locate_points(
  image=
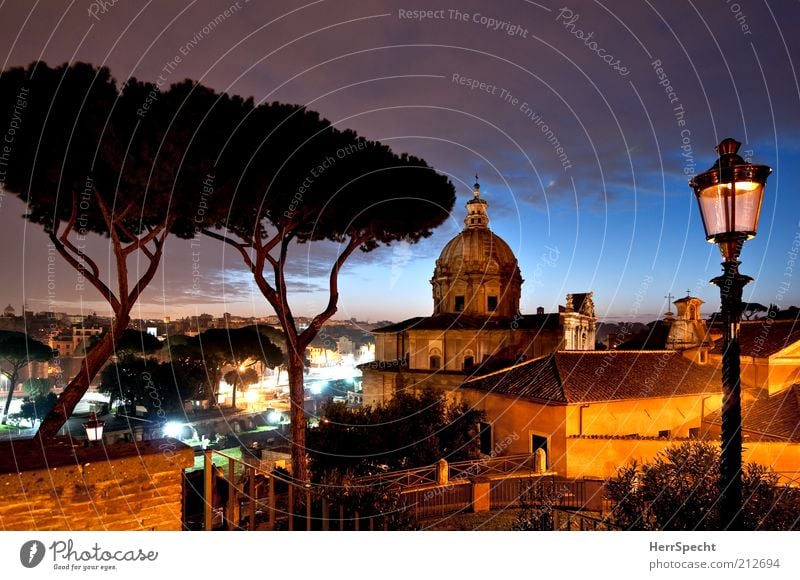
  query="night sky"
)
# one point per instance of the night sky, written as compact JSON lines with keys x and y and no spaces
{"x":584,"y":121}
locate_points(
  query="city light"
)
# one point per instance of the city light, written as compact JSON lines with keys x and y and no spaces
{"x":173,"y":429}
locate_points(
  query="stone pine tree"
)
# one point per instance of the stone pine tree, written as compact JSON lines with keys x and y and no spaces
{"x":94,"y":159}
{"x":221,"y":347}
{"x":17,"y":350}
{"x":289,"y":178}
{"x":240,"y":380}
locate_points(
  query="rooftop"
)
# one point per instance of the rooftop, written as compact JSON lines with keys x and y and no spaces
{"x":765,"y":337}
{"x":591,"y":376}
{"x":777,"y":417}
{"x":461,"y":322}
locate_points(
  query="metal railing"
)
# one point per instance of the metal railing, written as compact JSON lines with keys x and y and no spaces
{"x":243,"y":493}
{"x":261,"y":499}
{"x":461,"y":470}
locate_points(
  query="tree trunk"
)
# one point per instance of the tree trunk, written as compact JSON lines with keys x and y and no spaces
{"x":91,"y":365}
{"x":298,"y":417}
{"x":12,"y":384}
{"x":214,"y":378}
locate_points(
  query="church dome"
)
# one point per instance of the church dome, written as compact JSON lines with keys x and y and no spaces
{"x":477,"y":251}
{"x":477,"y":273}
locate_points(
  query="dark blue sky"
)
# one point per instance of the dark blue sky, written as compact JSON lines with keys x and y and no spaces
{"x":584,"y":120}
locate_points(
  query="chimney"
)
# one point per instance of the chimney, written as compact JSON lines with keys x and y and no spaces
{"x":540,"y":310}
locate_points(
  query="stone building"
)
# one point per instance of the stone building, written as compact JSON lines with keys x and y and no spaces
{"x":770,"y":356}
{"x":592,"y":412}
{"x":476,"y":324}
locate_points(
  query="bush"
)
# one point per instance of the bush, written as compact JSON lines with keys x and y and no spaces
{"x":679,"y":491}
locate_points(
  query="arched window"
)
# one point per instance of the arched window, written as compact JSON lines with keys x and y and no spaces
{"x":435,"y":359}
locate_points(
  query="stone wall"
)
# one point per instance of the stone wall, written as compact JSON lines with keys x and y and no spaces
{"x":125,"y":486}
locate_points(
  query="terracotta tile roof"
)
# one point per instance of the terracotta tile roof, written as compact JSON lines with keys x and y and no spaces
{"x":534,"y":379}
{"x":765,"y":337}
{"x":777,"y":417}
{"x":590,"y":376}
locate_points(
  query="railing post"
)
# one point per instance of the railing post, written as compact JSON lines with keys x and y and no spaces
{"x":208,"y":489}
{"x":341,"y":517}
{"x":442,"y":472}
{"x":272,"y":505}
{"x":251,"y":478}
{"x":356,"y":520}
{"x":326,"y":514}
{"x":308,"y":507}
{"x":291,"y":507}
{"x":481,"y":494}
{"x":232,"y":504}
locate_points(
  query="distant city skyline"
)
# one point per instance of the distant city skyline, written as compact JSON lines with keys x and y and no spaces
{"x":584,"y":125}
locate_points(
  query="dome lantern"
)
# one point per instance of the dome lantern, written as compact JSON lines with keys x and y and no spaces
{"x":476,"y":209}
{"x":477,"y":273}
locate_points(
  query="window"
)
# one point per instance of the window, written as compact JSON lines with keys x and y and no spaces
{"x":486,"y":438}
{"x":492,"y":303}
{"x":665,"y":434}
{"x":694,"y":432}
{"x":459,"y":303}
{"x":436,"y":361}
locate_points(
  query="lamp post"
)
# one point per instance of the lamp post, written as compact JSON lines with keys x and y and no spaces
{"x":729,"y":195}
{"x":94,"y":429}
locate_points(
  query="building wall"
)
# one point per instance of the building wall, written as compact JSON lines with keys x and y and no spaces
{"x":380,"y":382}
{"x":521,"y":419}
{"x":643,"y":417}
{"x":119,"y":487}
{"x":765,"y":376}
{"x":516,"y":421}
{"x":454,"y":346}
{"x":782,"y":457}
{"x":603,"y":457}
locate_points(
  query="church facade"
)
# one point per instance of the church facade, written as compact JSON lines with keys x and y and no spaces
{"x":476,"y":325}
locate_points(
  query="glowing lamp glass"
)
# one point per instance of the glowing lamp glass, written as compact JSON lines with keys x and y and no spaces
{"x":729,"y":195}
{"x":94,"y":429}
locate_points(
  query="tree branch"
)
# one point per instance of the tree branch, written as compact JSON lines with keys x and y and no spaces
{"x":242,"y":247}
{"x":155,"y":260}
{"x":64,"y":239}
{"x":281,"y":308}
{"x":333,"y":292}
{"x":122,"y":268}
{"x":104,"y":290}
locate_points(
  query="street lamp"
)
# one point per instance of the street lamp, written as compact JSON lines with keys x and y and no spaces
{"x":729,"y":195}
{"x":94,"y":429}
